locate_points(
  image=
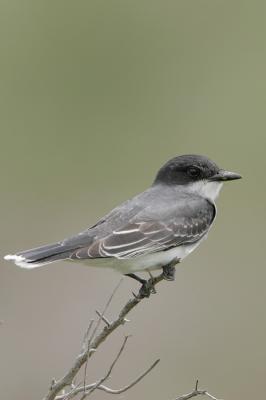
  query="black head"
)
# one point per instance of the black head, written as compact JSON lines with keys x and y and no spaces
{"x":191,"y":168}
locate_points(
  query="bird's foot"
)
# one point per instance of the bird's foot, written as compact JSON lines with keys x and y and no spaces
{"x":169,"y":273}
{"x":147,"y":288}
{"x":169,"y":270}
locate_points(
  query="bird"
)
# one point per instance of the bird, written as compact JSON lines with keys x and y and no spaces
{"x":154,"y":230}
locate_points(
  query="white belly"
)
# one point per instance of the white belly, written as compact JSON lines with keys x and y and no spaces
{"x":142,"y":263}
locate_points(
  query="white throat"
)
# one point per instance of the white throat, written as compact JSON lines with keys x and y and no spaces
{"x":206,"y":189}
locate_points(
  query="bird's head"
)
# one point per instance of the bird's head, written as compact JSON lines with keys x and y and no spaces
{"x":195,"y":173}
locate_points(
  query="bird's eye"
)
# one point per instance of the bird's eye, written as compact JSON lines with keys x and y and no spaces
{"x":193,"y":172}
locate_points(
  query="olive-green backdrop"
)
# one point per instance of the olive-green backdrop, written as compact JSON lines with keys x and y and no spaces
{"x":94,"y":97}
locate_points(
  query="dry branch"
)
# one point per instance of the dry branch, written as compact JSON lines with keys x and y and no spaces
{"x":65,"y":389}
{"x":196,"y":392}
{"x":95,"y":341}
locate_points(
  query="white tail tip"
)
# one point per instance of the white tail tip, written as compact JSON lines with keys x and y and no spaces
{"x":20,"y":261}
{"x":23,"y":262}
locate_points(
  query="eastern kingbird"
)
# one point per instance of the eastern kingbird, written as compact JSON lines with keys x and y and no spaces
{"x":153,"y":230}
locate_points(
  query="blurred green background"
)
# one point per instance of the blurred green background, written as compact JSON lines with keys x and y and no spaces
{"x":94,"y":97}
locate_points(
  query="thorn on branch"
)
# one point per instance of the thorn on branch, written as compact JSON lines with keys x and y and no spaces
{"x":53,"y":383}
{"x":197,"y":392}
{"x":105,"y":320}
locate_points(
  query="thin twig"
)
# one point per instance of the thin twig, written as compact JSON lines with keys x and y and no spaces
{"x":125,"y":388}
{"x":86,"y":336}
{"x":86,"y":347}
{"x":107,"y":389}
{"x":96,"y":328}
{"x":97,"y":384}
{"x":105,"y":309}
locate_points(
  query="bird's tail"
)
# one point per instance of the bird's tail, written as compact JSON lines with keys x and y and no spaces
{"x":40,"y":256}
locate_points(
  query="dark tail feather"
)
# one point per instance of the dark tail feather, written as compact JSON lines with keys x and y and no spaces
{"x":40,"y":256}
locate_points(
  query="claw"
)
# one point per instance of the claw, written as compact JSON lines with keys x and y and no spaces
{"x":169,"y":273}
{"x":169,"y":270}
{"x":147,"y":289}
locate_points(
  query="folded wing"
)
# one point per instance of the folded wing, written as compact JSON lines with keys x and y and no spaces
{"x":140,"y":237}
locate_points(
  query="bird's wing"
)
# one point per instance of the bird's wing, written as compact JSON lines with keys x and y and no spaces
{"x":145,"y":234}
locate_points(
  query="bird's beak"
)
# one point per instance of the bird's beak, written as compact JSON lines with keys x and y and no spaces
{"x":223,"y":175}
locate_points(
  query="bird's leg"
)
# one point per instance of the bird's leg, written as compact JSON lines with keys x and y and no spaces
{"x":147,"y":286}
{"x":137,"y":278}
{"x":151,"y":282}
{"x":169,"y":270}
